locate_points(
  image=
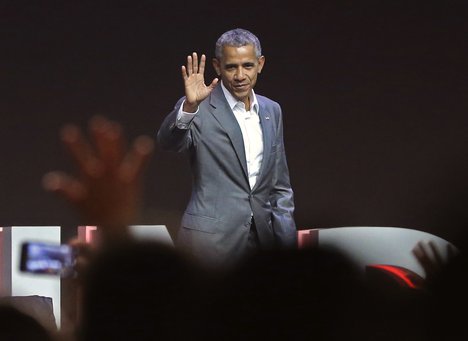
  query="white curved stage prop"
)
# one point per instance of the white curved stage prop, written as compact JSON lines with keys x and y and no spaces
{"x":369,"y":245}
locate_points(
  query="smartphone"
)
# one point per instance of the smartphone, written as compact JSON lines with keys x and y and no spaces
{"x":40,"y":257}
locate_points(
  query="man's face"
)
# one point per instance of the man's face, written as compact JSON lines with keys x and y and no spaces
{"x":238,"y":69}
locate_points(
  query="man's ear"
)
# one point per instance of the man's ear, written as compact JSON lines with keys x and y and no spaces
{"x":261,"y":63}
{"x":217,"y":66}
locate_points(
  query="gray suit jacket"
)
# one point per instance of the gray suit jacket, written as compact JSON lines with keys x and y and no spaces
{"x":215,"y":225}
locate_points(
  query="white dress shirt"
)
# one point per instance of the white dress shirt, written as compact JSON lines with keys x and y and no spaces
{"x":249,"y":123}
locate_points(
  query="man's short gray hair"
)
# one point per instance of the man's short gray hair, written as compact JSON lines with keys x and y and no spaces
{"x":237,"y":37}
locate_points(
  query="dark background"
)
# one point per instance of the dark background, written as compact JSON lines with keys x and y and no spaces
{"x":374,"y":95}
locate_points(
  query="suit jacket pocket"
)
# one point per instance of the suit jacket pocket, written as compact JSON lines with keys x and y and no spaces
{"x":200,"y":223}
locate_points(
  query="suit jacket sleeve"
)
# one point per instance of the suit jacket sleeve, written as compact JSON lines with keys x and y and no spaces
{"x":282,"y":197}
{"x":169,"y":136}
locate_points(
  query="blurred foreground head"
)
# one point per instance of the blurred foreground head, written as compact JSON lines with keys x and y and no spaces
{"x":139,"y":291}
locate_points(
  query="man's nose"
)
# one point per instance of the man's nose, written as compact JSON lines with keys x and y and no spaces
{"x":239,"y":75}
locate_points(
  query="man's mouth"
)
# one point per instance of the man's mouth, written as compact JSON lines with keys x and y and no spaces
{"x":241,"y":86}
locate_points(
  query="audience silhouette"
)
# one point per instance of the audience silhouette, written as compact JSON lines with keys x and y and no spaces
{"x":16,"y":325}
{"x":147,"y":291}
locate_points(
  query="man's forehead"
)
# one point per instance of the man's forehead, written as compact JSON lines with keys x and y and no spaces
{"x":236,"y":50}
{"x":241,"y":54}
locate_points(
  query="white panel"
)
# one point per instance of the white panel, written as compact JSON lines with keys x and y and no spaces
{"x":366,"y":245}
{"x":157,"y":233}
{"x":24,"y":284}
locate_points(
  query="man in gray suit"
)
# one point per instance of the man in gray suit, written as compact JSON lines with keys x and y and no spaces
{"x":242,"y":200}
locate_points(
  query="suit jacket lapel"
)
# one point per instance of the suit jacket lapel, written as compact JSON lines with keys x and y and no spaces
{"x":266,"y":123}
{"x":224,"y":115}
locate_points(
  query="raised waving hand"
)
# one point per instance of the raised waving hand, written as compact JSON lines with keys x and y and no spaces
{"x":106,"y":189}
{"x":431,"y":258}
{"x":194,"y":82}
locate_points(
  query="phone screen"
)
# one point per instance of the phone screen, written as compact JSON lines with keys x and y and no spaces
{"x":47,"y":258}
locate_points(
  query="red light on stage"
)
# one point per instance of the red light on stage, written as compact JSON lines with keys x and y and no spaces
{"x":392,"y":274}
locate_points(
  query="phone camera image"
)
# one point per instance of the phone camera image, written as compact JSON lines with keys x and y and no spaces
{"x":46,"y":258}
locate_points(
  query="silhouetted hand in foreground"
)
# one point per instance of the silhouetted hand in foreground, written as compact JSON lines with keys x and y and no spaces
{"x":430,"y":258}
{"x":106,"y":191}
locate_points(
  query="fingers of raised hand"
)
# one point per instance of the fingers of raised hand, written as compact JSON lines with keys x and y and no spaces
{"x":184,"y":72}
{"x":213,"y":83}
{"x":201,"y":68}
{"x":421,"y":253}
{"x":137,"y":158}
{"x":68,"y":187}
{"x":81,"y":151}
{"x":195,"y":62}
{"x":193,"y":66}
{"x":108,"y":155}
{"x":451,"y":251}
{"x":429,"y":256}
{"x":436,"y":253}
{"x":109,"y":141}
